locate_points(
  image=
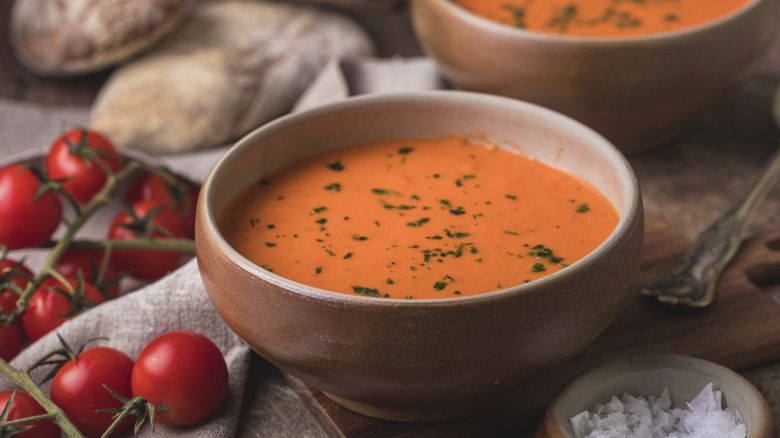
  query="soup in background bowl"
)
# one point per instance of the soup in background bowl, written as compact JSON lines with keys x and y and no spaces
{"x":600,"y":18}
{"x":639,"y":91}
{"x":421,"y":360}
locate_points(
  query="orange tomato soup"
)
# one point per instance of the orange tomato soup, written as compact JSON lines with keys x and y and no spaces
{"x":417,"y":218}
{"x":602,"y":17}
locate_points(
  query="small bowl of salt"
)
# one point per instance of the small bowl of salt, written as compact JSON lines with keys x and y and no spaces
{"x":658,"y":396}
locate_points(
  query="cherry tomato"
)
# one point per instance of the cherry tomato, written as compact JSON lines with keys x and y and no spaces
{"x":181,"y":196}
{"x":27,"y":218}
{"x":78,"y":390}
{"x":48,"y":309}
{"x":155,"y":221}
{"x":14,"y":277}
{"x":73,"y":157}
{"x":89,"y":262}
{"x":24,"y":406}
{"x":10,"y":341}
{"x":13,"y":274}
{"x":184,"y":375}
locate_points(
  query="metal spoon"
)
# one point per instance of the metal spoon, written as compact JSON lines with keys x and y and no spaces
{"x":692,"y":282}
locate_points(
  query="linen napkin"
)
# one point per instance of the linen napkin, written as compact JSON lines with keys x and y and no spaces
{"x":179,"y":301}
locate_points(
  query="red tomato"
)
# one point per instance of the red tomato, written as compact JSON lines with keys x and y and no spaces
{"x":78,"y":390}
{"x":181,"y":196}
{"x":74,"y":157}
{"x":14,"y":277}
{"x":26,"y":221}
{"x":24,"y":406}
{"x":47,"y":308}
{"x":184,"y":375}
{"x":13,"y":274}
{"x":89,"y":263}
{"x":157,"y":222}
{"x":12,"y":271}
{"x":10,"y":341}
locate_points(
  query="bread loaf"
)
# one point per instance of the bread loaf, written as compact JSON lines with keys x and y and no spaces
{"x":61,"y":38}
{"x":232,"y":66}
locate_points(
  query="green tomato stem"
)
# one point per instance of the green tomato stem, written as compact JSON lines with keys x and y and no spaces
{"x":24,"y":381}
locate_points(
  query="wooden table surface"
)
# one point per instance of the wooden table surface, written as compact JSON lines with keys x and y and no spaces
{"x":687,"y":183}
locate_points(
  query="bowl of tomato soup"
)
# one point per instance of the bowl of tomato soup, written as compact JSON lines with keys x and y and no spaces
{"x":635,"y":71}
{"x":419,"y":257}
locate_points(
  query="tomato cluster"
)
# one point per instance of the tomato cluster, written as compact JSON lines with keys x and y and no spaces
{"x":180,"y":375}
{"x":80,"y":172}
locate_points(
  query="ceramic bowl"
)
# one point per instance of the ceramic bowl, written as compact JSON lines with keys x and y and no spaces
{"x":421,"y":360}
{"x":644,"y":375}
{"x":637,"y":91}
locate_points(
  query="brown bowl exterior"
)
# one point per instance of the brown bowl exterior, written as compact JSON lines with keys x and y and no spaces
{"x":643,"y":375}
{"x":637,"y":91}
{"x":421,"y":360}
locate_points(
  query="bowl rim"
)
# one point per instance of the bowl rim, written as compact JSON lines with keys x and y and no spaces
{"x":510,"y":32}
{"x":632,"y":197}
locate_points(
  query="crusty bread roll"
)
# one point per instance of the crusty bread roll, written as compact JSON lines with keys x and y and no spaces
{"x":62,"y":38}
{"x":230,"y":67}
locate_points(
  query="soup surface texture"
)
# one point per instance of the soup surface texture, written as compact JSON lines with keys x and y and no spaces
{"x":417,"y":218}
{"x":602,"y":17}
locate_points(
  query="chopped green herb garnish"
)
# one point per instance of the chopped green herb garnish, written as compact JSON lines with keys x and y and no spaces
{"x":459,"y":251}
{"x":405,"y":151}
{"x":337,"y":166}
{"x":318,"y":269}
{"x":538,"y":267}
{"x":396,"y":207}
{"x":418,"y":222}
{"x":321,"y":220}
{"x":318,"y":210}
{"x":366,"y":291}
{"x":336,"y":187}
{"x":270,"y":244}
{"x":513,"y":197}
{"x":542,"y":251}
{"x":583,"y":208}
{"x":383,"y":192}
{"x":347,"y":256}
{"x":514,"y":233}
{"x":439,"y":285}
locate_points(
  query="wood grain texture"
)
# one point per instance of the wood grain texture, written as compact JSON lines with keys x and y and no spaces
{"x":741,"y":329}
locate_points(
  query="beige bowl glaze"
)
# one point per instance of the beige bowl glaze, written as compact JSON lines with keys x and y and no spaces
{"x":421,"y":360}
{"x":637,"y":91}
{"x":644,"y":375}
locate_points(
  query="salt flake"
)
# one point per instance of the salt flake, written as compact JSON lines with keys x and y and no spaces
{"x":653,"y":417}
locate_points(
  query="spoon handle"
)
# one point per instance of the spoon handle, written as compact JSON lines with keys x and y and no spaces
{"x":692,"y":282}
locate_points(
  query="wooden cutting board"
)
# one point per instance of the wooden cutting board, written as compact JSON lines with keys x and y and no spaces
{"x":741,"y":329}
